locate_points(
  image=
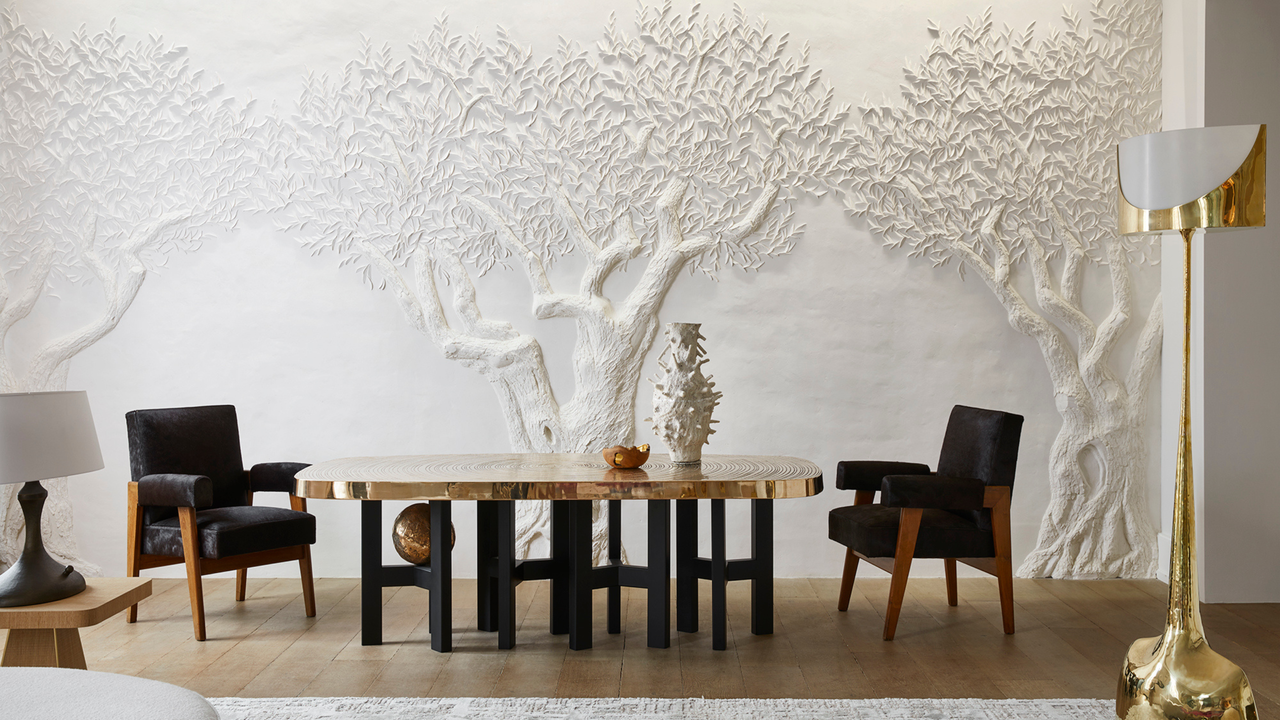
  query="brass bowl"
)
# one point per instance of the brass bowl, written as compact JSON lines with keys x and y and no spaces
{"x":626,"y":457}
{"x":411,"y":534}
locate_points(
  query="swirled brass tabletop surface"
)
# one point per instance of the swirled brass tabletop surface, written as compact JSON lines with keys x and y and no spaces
{"x":557,"y":476}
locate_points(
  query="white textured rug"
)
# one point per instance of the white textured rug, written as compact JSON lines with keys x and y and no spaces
{"x":655,"y":709}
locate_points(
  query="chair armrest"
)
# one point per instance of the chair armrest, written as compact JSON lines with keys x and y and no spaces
{"x":941,"y":492}
{"x":997,"y":495}
{"x":867,"y":474}
{"x":173,"y":490}
{"x":274,"y":477}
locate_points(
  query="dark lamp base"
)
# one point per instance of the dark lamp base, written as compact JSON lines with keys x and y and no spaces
{"x":36,"y":577}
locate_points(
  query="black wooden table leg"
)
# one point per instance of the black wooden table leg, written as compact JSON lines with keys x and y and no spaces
{"x":486,"y":552}
{"x":371,"y":572}
{"x":719,"y":581}
{"x":686,"y":575}
{"x":762,"y":555}
{"x":580,"y":575}
{"x":561,"y":560}
{"x":615,"y":558}
{"x":659,"y":573}
{"x":506,"y":585}
{"x":441,"y":620}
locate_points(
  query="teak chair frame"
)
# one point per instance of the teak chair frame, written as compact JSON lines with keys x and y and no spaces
{"x":996,"y":498}
{"x":198,"y":567}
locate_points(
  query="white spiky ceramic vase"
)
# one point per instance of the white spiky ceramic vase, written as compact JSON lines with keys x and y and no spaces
{"x":683,"y":398}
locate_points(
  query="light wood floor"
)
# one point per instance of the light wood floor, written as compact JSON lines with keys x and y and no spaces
{"x":1070,"y":640}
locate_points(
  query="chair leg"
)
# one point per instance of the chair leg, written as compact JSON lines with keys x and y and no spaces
{"x":1004,"y":561}
{"x":860,"y":497}
{"x":191,"y":554}
{"x":134,"y":558}
{"x":908,"y":529}
{"x":308,"y":585}
{"x":1004,"y":576}
{"x":242,"y":580}
{"x":846,"y":580}
{"x":950,"y":565}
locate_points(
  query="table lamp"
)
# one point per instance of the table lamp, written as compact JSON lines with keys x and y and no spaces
{"x":1183,"y":180}
{"x":43,"y":435}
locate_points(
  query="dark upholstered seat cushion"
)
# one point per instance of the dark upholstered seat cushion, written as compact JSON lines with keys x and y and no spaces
{"x":873,"y":531}
{"x":233,"y":531}
{"x":866,"y":474}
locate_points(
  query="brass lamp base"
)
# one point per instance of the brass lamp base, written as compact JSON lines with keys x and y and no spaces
{"x":36,"y":577}
{"x":1178,"y":676}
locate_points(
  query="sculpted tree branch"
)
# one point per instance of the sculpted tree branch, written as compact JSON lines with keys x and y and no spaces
{"x":120,"y":282}
{"x":14,"y":310}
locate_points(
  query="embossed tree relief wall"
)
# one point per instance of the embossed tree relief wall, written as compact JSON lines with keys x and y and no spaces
{"x":1001,"y":157}
{"x":112,"y":156}
{"x":680,"y":147}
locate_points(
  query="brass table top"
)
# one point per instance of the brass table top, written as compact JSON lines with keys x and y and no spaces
{"x":557,"y":476}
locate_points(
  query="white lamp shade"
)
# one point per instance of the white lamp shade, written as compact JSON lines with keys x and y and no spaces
{"x":46,"y":435}
{"x":1169,"y":169}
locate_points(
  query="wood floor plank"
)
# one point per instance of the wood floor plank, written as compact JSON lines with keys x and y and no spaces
{"x":874,"y":668}
{"x":305,"y":658}
{"x":994,"y":654}
{"x":344,"y":678}
{"x":471,"y":674}
{"x":263,"y":599}
{"x":230,"y":674}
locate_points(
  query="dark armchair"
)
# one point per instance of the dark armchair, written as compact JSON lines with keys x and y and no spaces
{"x":191,"y":500}
{"x":961,"y":512}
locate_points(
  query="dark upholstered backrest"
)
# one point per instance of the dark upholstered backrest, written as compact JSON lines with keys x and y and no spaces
{"x":189,"y":441}
{"x":981,"y":444}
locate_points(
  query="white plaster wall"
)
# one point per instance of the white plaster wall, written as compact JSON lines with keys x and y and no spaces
{"x":842,"y":350}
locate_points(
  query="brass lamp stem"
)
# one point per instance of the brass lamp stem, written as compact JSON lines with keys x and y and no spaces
{"x":1184,"y":594}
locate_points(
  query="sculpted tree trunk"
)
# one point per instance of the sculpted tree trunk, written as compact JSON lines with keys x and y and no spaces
{"x":1097,"y":525}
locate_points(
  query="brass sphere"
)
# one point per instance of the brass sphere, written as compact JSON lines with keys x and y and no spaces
{"x":411,"y":534}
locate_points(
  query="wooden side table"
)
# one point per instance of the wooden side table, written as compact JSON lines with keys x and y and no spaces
{"x":48,"y":635}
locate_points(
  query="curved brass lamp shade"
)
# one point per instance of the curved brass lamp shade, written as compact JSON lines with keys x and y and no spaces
{"x":1177,"y":675}
{"x":1240,"y":201}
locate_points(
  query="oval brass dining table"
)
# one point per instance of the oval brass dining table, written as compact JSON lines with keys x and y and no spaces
{"x":571,"y":482}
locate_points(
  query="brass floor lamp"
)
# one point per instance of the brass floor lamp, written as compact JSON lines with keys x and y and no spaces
{"x":1183,"y":180}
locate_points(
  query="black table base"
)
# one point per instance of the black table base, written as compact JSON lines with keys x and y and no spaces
{"x":437,"y":577}
{"x":720,"y":570}
{"x":571,"y":572}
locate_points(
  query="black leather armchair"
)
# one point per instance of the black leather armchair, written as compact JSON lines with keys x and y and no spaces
{"x":961,"y":512}
{"x":191,"y":500}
